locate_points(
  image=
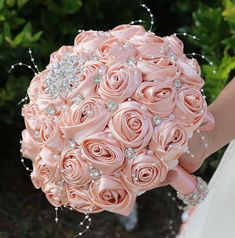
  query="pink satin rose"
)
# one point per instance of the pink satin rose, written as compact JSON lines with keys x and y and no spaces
{"x":90,"y":40}
{"x":104,"y":152}
{"x":169,"y":141}
{"x":79,"y":200}
{"x":110,"y":194}
{"x":159,"y":68}
{"x":32,"y":90}
{"x":144,"y":172}
{"x":159,"y":97}
{"x":58,"y":54}
{"x":56,"y":194}
{"x":131,"y":125}
{"x":45,"y":168}
{"x":120,"y":83}
{"x":174,"y":45}
{"x":29,"y":147}
{"x":115,"y":49}
{"x":51,"y":135}
{"x":72,"y":167}
{"x":148,"y":44}
{"x":191,"y":108}
{"x":191,"y":73}
{"x":85,"y":119}
{"x":87,"y":86}
{"x":127,"y":31}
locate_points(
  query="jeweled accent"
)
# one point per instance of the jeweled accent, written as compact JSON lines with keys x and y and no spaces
{"x":131,"y":61}
{"x":51,"y":111}
{"x":72,"y":144}
{"x":129,"y":153}
{"x":95,"y":173}
{"x":62,"y":76}
{"x":172,"y":55}
{"x":197,"y":196}
{"x":177,"y":84}
{"x":112,"y":106}
{"x":94,"y":57}
{"x":78,"y":99}
{"x":157,"y":120}
{"x":36,"y":134}
{"x":97,"y":78}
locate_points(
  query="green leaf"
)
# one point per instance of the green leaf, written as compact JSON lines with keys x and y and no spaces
{"x":10,"y":3}
{"x":71,"y":6}
{"x":21,"y":3}
{"x":7,"y":30}
{"x":1,"y":4}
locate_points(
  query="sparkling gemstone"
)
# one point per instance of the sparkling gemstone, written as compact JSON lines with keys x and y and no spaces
{"x":131,"y":61}
{"x":172,"y":55}
{"x":78,"y":99}
{"x":94,"y":57}
{"x":97,"y":78}
{"x":177,"y":84}
{"x":157,"y":120}
{"x":71,"y":144}
{"x":36,"y":134}
{"x":112,"y":106}
{"x":95,"y":173}
{"x":129,"y":153}
{"x":51,"y":111}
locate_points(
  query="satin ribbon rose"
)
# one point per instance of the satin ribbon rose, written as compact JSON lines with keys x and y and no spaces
{"x":110,"y":194}
{"x":169,"y":141}
{"x":174,"y":46}
{"x":88,"y":86}
{"x":148,"y":44}
{"x":115,"y":50}
{"x":32,"y":90}
{"x":85,"y":119}
{"x":190,"y":109}
{"x":159,"y":68}
{"x":79,"y":200}
{"x":131,"y":125}
{"x":29,"y":147}
{"x":126,"y":31}
{"x":72,"y":167}
{"x":56,"y":194}
{"x":191,"y":73}
{"x":144,"y":172}
{"x":90,"y":40}
{"x":119,"y":83}
{"x":45,"y":168}
{"x":51,"y":135}
{"x":159,"y":97}
{"x":103,"y":151}
{"x":33,"y":119}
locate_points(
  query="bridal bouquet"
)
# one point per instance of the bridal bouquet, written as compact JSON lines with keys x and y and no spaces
{"x":110,"y":116}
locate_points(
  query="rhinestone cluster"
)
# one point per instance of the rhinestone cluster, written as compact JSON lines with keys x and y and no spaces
{"x":62,"y":76}
{"x":157,"y":120}
{"x":129,"y":153}
{"x":112,"y":106}
{"x":95,"y":173}
{"x":197,"y":196}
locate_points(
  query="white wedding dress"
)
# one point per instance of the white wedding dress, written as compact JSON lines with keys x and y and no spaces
{"x":215,"y":217}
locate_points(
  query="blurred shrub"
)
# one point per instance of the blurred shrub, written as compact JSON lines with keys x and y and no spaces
{"x":45,"y":25}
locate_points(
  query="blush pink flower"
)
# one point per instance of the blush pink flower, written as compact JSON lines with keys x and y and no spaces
{"x":131,"y":125}
{"x":144,"y":172}
{"x":110,"y":194}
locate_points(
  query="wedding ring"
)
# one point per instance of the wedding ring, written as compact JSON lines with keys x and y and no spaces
{"x":197,"y":196}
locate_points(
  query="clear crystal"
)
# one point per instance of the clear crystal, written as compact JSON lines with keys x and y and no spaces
{"x":131,"y":61}
{"x":94,"y":57}
{"x":95,"y":173}
{"x":51,"y":111}
{"x":36,"y":134}
{"x":130,"y":153}
{"x":157,"y":120}
{"x":112,"y":106}
{"x":62,"y":75}
{"x":177,"y":84}
{"x":78,"y":99}
{"x":97,"y":78}
{"x":172,"y":55}
{"x":71,"y":144}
